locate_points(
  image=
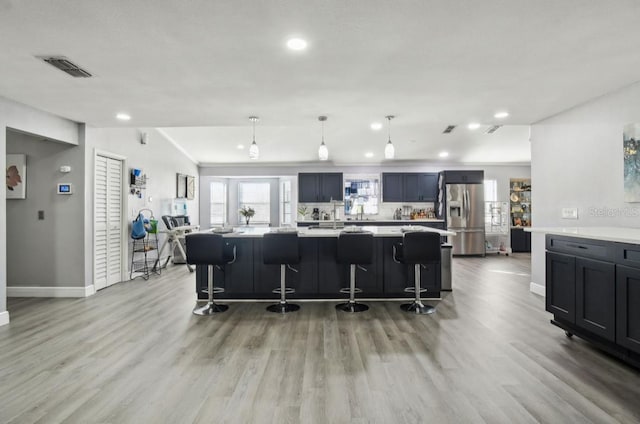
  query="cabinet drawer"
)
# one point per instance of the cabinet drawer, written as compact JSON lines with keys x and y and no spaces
{"x":627,"y":254}
{"x":580,"y":247}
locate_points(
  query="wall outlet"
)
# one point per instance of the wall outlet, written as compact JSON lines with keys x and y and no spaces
{"x":569,"y":213}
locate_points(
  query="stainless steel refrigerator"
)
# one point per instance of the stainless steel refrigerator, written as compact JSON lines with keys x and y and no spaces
{"x":465,"y":216}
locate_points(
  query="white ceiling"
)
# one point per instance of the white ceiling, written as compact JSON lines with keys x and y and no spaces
{"x":212,"y":64}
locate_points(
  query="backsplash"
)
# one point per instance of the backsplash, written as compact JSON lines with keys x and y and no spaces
{"x":385,"y":210}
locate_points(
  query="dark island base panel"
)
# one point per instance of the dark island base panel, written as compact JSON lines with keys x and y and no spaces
{"x":318,"y":276}
{"x":604,"y":345}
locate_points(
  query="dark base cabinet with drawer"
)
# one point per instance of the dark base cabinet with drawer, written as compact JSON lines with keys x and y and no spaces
{"x":592,"y":289}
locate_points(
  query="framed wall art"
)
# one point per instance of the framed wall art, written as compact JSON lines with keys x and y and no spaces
{"x":16,"y":176}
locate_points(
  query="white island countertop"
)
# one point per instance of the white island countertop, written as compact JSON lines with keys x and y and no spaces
{"x":616,"y":234}
{"x":372,"y":221}
{"x":330,"y":232}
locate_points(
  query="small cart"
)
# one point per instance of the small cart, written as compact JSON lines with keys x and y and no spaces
{"x":496,"y":222}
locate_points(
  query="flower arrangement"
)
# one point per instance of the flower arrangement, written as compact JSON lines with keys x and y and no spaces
{"x":247,"y":212}
{"x":302,"y":211}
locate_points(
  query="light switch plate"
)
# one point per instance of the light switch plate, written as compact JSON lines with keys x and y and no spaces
{"x":570,"y":213}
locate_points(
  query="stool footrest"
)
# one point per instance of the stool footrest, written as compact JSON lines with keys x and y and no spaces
{"x":348,"y":290}
{"x":215,"y":290}
{"x":413,"y":290}
{"x":287,"y":290}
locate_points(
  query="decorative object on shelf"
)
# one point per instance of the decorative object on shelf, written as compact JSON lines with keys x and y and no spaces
{"x":323,"y":151}
{"x":16,"y":176}
{"x":630,"y":147}
{"x":254,"y":150}
{"x":520,"y":202}
{"x":247,"y":212}
{"x":389,"y":150}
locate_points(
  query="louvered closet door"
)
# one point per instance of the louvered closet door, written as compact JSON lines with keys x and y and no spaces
{"x":108,"y":222}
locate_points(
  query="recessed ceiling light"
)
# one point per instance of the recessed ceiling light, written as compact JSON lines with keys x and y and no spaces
{"x":443,"y":154}
{"x":473,"y":126}
{"x":501,"y":115}
{"x":368,"y":155}
{"x":123,"y":116}
{"x":297,"y":44}
{"x":376,"y":126}
{"x":240,"y":146}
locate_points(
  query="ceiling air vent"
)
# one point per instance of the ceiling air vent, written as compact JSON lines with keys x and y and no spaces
{"x":67,"y":66}
{"x":492,"y":129}
{"x":448,"y":129}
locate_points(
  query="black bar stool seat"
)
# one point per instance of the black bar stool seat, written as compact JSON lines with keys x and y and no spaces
{"x":420,"y":249}
{"x":211,"y":250}
{"x":354,"y":249}
{"x":281,"y":249}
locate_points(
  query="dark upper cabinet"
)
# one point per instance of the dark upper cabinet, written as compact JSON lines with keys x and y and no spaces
{"x":595,"y":297}
{"x":331,"y":186}
{"x":320,"y":187}
{"x":627,"y":310}
{"x":561,"y":286}
{"x":463,"y":177}
{"x":392,"y":187}
{"x":409,"y":187}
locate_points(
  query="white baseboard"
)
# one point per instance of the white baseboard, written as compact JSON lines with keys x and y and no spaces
{"x":18,"y":291}
{"x":538,"y":289}
{"x":4,"y":318}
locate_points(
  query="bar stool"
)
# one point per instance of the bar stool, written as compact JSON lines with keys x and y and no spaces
{"x":281,"y":249}
{"x":210,"y":250}
{"x":355,"y":249}
{"x":419,"y":248}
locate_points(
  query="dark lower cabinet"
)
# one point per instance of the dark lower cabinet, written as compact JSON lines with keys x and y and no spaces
{"x":595,"y":297}
{"x":593,"y":293}
{"x":561,"y":285}
{"x":398,"y":276}
{"x":520,"y":240}
{"x":628,"y":307}
{"x":238,"y":276}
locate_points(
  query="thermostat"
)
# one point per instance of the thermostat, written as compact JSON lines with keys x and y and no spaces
{"x":65,"y":188}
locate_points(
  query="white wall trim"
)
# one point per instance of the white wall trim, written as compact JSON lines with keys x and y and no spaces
{"x":177,"y":146}
{"x":27,"y":291}
{"x":4,"y":318}
{"x":538,"y":289}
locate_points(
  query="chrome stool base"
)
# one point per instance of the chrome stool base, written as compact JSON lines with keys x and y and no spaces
{"x":283,"y":308}
{"x":418,"y":308}
{"x":210,"y":309}
{"x":352,"y":307}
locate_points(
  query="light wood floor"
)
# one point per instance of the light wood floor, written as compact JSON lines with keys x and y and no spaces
{"x":134,"y":353}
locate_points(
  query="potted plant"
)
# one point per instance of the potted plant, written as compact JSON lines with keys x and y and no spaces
{"x":302,"y":212}
{"x":247,"y":212}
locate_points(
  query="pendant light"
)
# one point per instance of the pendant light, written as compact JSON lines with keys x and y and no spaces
{"x":389,"y":150}
{"x":254,"y":150}
{"x":323,"y":151}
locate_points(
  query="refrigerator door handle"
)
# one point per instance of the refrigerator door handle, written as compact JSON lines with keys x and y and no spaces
{"x":467,"y":205}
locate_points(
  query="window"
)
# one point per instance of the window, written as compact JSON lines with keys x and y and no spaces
{"x":285,"y":202}
{"x":362,"y":195}
{"x":258,"y":197}
{"x":490,"y":190}
{"x":218,"y":203}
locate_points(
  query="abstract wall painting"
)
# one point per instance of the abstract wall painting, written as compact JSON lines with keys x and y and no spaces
{"x":16,"y":176}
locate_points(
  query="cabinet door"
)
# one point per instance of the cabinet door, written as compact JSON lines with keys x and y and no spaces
{"x":331,"y":274}
{"x":595,"y":297}
{"x":627,"y":310}
{"x":239,"y":275}
{"x":561,"y":286}
{"x":392,"y":184}
{"x":428,"y":187}
{"x":307,"y":188}
{"x":331,"y":187}
{"x":518,"y":240}
{"x":395,"y":274}
{"x":411,"y":192}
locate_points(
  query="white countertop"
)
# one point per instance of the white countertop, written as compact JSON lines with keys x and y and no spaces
{"x":330,"y":232}
{"x":372,"y":221}
{"x":617,"y":234}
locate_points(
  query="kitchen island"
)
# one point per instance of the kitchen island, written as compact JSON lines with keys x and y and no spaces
{"x":319,"y":276}
{"x":593,"y":286}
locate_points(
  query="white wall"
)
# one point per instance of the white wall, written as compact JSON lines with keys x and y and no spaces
{"x":159,"y":159}
{"x":22,"y":118}
{"x":577,"y":161}
{"x":49,"y":252}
